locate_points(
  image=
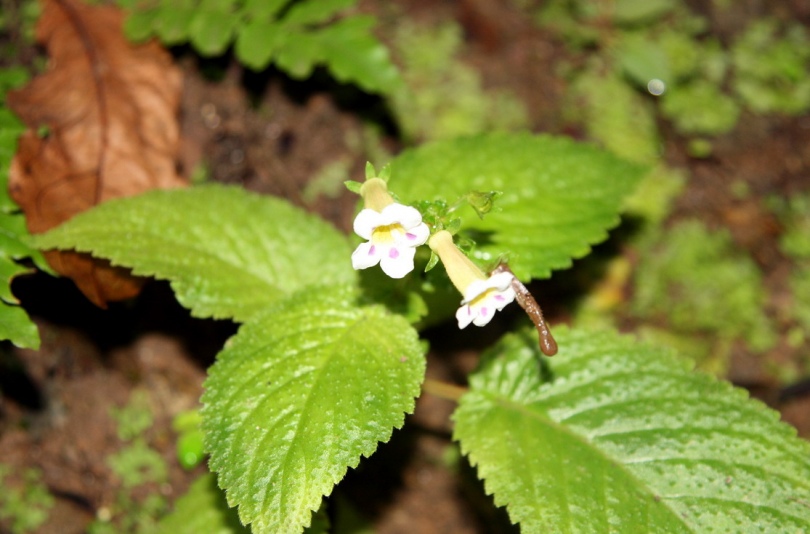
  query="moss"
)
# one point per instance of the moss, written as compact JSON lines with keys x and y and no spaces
{"x":443,"y":97}
{"x":696,"y":282}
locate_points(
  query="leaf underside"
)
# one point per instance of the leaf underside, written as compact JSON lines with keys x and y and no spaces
{"x":615,"y":436}
{"x":559,"y":196}
{"x":228,"y":253}
{"x":300,"y":394}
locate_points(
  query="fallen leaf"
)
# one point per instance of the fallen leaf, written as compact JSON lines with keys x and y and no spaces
{"x":102,"y":124}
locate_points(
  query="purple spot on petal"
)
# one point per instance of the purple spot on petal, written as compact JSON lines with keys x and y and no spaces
{"x":483,"y":312}
{"x":410,"y":236}
{"x":393,"y":253}
{"x":499,"y":298}
{"x":371,"y":250}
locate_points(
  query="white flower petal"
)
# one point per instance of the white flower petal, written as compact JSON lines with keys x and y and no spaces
{"x":500,"y":299}
{"x":483,"y":315}
{"x":464,"y":315}
{"x":365,"y":255}
{"x":475,"y":289}
{"x":365,"y":223}
{"x":415,"y":236}
{"x":407,"y":216}
{"x":396,"y":262}
{"x":500,"y":281}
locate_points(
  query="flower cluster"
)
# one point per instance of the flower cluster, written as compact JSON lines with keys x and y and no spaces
{"x":393,"y":231}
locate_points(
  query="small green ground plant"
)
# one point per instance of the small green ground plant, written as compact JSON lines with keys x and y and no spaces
{"x":326,"y":363}
{"x":631,"y":49}
{"x":135,"y":465}
{"x":24,"y":507}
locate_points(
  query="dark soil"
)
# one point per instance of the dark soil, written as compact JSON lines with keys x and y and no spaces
{"x":272,"y":136}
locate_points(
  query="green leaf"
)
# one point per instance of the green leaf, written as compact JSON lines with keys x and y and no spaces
{"x":638,"y":11}
{"x":300,"y":394}
{"x":202,"y":509}
{"x":262,"y":10}
{"x":141,"y":25}
{"x":228,"y":253}
{"x":299,"y":52}
{"x":16,"y":326}
{"x":643,"y":59}
{"x":257,"y":42}
{"x":354,"y":55}
{"x":211,"y":31}
{"x":315,"y":11}
{"x":172,"y":25}
{"x":559,"y":196}
{"x":615,"y":436}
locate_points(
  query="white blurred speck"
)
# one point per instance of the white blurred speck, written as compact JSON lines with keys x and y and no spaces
{"x":656,"y":87}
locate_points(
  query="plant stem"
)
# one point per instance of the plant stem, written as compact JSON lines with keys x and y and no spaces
{"x":443,"y":389}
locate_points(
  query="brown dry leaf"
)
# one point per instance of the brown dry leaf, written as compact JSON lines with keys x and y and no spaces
{"x":109,"y":109}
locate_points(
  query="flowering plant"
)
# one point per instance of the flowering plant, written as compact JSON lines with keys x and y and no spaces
{"x":615,"y":435}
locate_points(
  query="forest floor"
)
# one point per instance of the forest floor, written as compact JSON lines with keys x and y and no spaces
{"x":274,"y":136}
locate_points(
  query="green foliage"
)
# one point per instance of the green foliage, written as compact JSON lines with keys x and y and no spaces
{"x":202,"y":509}
{"x":794,"y":214}
{"x":14,"y":322}
{"x":227,"y":253}
{"x":698,"y":283}
{"x":24,"y":508}
{"x":701,"y":108}
{"x":661,"y":47}
{"x":559,"y":197}
{"x":442,"y":97}
{"x":616,"y":436}
{"x":771,"y":72}
{"x":190,"y":447}
{"x":614,"y":114}
{"x":300,"y":394}
{"x":134,"y":418}
{"x":137,"y":464}
{"x":294,"y":36}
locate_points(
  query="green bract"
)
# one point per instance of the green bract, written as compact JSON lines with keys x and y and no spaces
{"x":615,"y":436}
{"x":559,"y":196}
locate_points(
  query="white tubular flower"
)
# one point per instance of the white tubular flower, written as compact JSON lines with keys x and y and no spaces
{"x":483,"y":298}
{"x":393,"y":232}
{"x":483,"y":295}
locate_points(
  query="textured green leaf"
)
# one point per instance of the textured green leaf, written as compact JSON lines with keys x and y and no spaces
{"x":559,"y":196}
{"x":300,"y":394}
{"x":202,"y":509}
{"x":227,"y":252}
{"x":615,"y":436}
